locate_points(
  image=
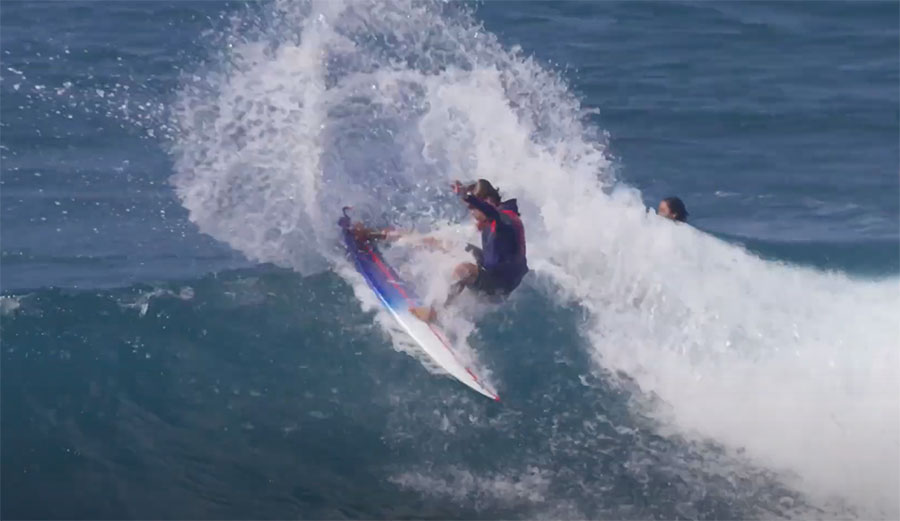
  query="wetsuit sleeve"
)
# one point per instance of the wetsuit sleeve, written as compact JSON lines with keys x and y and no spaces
{"x":486,"y":208}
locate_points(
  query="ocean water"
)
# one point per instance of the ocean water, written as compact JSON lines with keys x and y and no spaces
{"x":182,"y":338}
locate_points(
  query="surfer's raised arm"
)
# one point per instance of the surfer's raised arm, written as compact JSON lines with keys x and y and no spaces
{"x":488,"y":209}
{"x":475,"y":195}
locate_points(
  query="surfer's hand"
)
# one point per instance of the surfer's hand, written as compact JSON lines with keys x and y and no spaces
{"x":360,"y":232}
{"x":457,"y":187}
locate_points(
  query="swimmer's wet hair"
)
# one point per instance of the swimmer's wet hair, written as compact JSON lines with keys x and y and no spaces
{"x":676,"y":206}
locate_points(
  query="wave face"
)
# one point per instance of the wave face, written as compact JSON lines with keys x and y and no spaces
{"x":268,"y":394}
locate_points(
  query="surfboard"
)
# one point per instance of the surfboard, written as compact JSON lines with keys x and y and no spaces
{"x":397,"y":297}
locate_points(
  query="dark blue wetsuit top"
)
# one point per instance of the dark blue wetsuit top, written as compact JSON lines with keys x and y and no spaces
{"x":502,"y":242}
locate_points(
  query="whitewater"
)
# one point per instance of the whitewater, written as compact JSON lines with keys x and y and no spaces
{"x":304,"y":108}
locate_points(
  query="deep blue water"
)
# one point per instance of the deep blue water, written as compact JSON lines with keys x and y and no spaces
{"x":154,"y":366}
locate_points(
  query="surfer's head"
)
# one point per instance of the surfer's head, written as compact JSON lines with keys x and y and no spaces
{"x":483,"y":189}
{"x":672,"y":208}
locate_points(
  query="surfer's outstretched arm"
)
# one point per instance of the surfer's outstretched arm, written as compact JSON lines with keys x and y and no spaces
{"x":388,"y":234}
{"x":435,"y":244}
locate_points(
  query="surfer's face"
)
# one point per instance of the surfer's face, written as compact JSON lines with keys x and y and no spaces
{"x":480,"y":219}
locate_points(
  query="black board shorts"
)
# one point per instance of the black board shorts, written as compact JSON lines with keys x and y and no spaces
{"x":492,"y":283}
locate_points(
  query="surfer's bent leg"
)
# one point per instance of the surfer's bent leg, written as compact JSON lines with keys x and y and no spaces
{"x":465,"y":275}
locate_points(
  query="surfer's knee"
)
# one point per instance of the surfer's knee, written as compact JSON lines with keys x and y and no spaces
{"x":465,"y":272}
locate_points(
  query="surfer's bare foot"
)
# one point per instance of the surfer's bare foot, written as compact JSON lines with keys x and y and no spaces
{"x":425,"y":314}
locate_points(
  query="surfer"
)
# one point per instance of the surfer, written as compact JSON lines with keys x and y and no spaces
{"x":672,"y":208}
{"x":500,"y":263}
